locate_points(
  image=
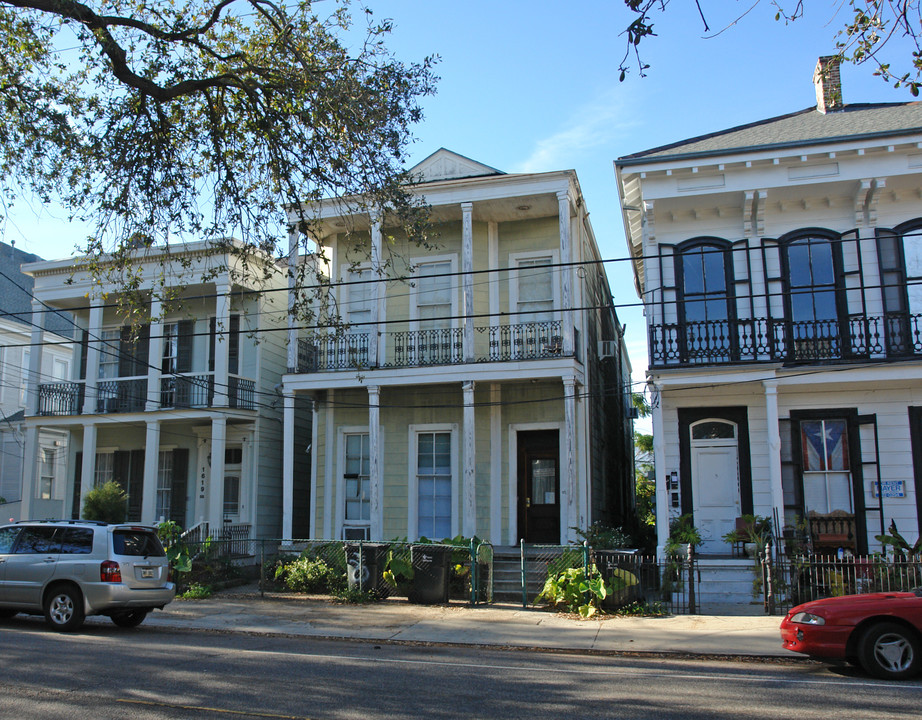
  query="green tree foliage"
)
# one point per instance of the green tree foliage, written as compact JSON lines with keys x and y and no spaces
{"x":106,"y":503}
{"x":864,"y":29}
{"x":160,"y":122}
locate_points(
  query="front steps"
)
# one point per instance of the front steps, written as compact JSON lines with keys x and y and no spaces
{"x":726,"y":587}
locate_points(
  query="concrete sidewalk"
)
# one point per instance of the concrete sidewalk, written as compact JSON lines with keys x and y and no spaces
{"x":396,"y":620}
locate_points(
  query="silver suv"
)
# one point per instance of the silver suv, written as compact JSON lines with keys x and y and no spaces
{"x":68,"y":569}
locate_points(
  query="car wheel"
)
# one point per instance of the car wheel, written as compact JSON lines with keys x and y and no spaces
{"x":129,"y":619}
{"x":64,"y":608}
{"x":890,"y":651}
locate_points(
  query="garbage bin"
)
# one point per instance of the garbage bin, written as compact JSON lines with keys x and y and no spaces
{"x":431,"y":573}
{"x":621,"y":569}
{"x":365,"y":564}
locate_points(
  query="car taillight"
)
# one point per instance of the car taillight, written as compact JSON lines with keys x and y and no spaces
{"x":169,"y":573}
{"x":109,"y":572}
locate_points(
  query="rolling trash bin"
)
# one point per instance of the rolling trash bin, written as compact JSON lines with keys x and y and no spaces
{"x":365,"y":567}
{"x":619,"y":568}
{"x":431,"y":573}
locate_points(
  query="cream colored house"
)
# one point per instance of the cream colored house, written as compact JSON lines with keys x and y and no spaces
{"x":480,"y":386}
{"x":779,"y":265}
{"x":184,"y":411}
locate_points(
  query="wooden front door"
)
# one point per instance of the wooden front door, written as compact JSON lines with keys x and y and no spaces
{"x":539,"y":486}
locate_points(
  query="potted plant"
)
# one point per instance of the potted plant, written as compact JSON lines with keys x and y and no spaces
{"x":753,"y":531}
{"x":682,"y":533}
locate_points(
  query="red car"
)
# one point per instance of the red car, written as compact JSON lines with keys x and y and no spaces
{"x":882,"y":632}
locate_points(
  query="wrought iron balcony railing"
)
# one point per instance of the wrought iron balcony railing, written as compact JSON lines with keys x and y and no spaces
{"x":421,"y":348}
{"x":770,"y":340}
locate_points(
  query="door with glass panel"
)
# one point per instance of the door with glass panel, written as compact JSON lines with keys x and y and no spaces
{"x":434,"y":342}
{"x":539,"y":486}
{"x":356,"y":487}
{"x":434,"y":484}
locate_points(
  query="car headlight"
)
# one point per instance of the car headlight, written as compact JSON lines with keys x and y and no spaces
{"x":805,"y":618}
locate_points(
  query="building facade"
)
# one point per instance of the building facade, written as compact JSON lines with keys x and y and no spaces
{"x":779,"y":265}
{"x":479,"y":387}
{"x":179,"y":405}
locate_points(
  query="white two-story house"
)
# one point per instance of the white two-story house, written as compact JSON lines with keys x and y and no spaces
{"x":180,"y":406}
{"x":480,"y":386}
{"x":779,"y":264}
{"x":15,"y":360}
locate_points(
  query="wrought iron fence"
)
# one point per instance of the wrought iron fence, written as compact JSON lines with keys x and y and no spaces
{"x":62,"y":398}
{"x":332,"y":352}
{"x":790,"y":581}
{"x":523,"y":341}
{"x":438,"y":346}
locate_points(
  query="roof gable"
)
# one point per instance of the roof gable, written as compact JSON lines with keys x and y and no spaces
{"x":447,"y":165}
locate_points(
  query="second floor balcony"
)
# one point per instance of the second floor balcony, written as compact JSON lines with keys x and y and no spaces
{"x":129,"y":394}
{"x":754,"y":340}
{"x":422,"y":348}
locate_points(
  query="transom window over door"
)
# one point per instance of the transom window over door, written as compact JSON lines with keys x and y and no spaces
{"x":826,"y":468}
{"x":812,"y":298}
{"x":705,"y":308}
{"x":433,"y":475}
{"x":356,"y":475}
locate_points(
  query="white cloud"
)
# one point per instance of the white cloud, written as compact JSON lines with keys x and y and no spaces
{"x":594,"y":124}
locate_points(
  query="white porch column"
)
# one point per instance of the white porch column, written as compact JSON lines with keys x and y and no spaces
{"x":88,"y":467}
{"x":570,"y":481}
{"x":468,"y":464}
{"x":496,"y":465}
{"x":288,"y":465}
{"x":216,"y":481}
{"x":30,"y":456}
{"x":467,"y":267}
{"x":377,"y":314}
{"x":566,"y":302}
{"x":293,"y":259}
{"x":221,"y":349}
{"x":329,"y":457}
{"x":30,"y":462}
{"x":774,"y":449}
{"x":154,"y":358}
{"x":94,"y":340}
{"x":151,"y":468}
{"x":659,"y":464}
{"x":374,"y":464}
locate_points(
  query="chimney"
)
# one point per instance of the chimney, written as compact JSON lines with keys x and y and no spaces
{"x":828,"y":84}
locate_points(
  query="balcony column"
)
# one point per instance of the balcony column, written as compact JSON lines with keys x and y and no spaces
{"x":216,"y":481}
{"x":774,"y":449}
{"x":563,"y":215}
{"x":88,"y":468}
{"x":221,"y":346}
{"x":468,"y":464}
{"x":293,"y":237}
{"x":151,"y":468}
{"x":496,"y":464}
{"x":31,"y":448}
{"x":154,"y":357}
{"x":377,"y":295}
{"x":288,"y":464}
{"x":329,"y":484}
{"x":94,"y":340}
{"x":374,"y":466}
{"x":570,"y":481}
{"x":659,"y":465}
{"x":467,"y":268}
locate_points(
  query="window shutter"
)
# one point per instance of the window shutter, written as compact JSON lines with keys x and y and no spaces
{"x":233,"y":362}
{"x":136,"y":485}
{"x":179,"y":487}
{"x":84,"y":344}
{"x":184,"y":349}
{"x":78,"y":484}
{"x":142,"y":351}
{"x":212,"y":325}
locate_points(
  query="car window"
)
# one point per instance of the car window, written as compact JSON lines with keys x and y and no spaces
{"x":77,"y":541}
{"x":38,"y":540}
{"x":136,"y":542}
{"x":7,"y":538}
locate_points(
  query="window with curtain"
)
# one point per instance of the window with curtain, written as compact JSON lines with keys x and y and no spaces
{"x":356,"y":476}
{"x":434,"y":481}
{"x":826,"y":469}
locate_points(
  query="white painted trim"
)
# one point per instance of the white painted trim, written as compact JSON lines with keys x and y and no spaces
{"x":492,"y":263}
{"x":330,"y":498}
{"x":513,"y":272}
{"x":413,"y":480}
{"x":312,"y":526}
{"x":496,"y":463}
{"x":513,"y":475}
{"x":339,"y":469}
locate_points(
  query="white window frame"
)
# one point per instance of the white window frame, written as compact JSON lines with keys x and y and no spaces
{"x":164,"y":484}
{"x":103,"y":475}
{"x":514,"y":260}
{"x":413,"y":480}
{"x":109,"y":350}
{"x":414,"y":295}
{"x":340,"y":480}
{"x":349,"y":273}
{"x":60,"y":370}
{"x":47,"y":467}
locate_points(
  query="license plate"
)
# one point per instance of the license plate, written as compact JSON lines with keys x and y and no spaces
{"x":147,"y":572}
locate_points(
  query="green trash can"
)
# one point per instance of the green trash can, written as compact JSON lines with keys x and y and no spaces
{"x":621,"y":569}
{"x":431,"y":573}
{"x":365,"y":563}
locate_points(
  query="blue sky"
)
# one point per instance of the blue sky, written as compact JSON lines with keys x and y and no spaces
{"x":533,"y":86}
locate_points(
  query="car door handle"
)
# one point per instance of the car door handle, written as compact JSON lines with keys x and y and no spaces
{"x":49,"y":560}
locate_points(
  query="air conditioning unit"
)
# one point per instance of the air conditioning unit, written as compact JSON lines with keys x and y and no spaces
{"x":356,"y":533}
{"x":607,"y":348}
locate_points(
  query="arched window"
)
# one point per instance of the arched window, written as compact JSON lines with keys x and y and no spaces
{"x":899,"y":255}
{"x":704,"y":280}
{"x":811,"y":270}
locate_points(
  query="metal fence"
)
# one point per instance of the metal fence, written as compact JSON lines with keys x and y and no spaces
{"x":790,"y":581}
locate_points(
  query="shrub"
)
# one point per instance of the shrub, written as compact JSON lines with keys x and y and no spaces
{"x":602,"y":537}
{"x":197,"y":591}
{"x":309,"y":575}
{"x":576,"y":591}
{"x":106,"y":503}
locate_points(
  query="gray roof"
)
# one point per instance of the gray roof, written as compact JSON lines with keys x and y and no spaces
{"x":16,"y":293}
{"x":805,"y":127}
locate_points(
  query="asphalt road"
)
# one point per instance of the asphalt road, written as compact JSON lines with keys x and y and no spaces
{"x":105,"y":672}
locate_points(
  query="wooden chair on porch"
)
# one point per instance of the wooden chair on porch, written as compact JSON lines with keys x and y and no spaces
{"x":830,"y":531}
